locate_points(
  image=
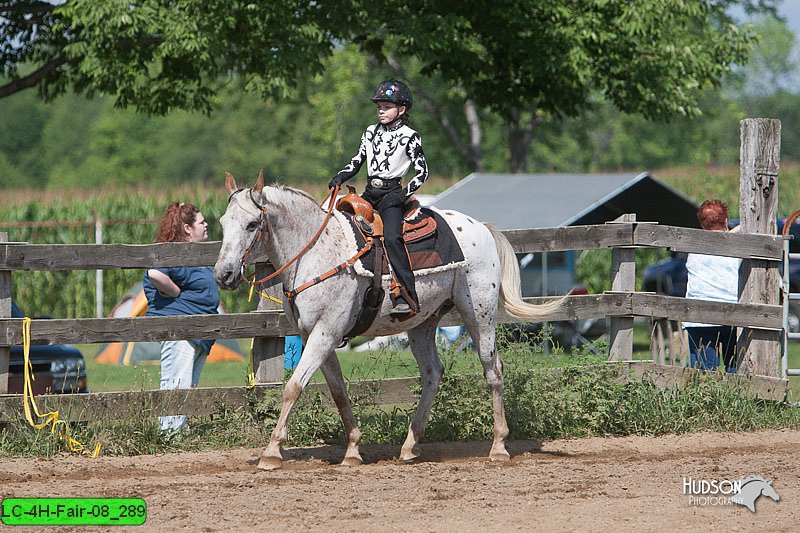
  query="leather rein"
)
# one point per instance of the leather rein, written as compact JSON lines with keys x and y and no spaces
{"x":262,"y":228}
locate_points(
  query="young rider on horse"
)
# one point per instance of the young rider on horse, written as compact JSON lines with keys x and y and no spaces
{"x":390,"y":148}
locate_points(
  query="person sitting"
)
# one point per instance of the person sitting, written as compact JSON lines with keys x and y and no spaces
{"x":391,"y":147}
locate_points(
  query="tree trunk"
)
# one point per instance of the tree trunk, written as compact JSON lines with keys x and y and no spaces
{"x":471,"y":152}
{"x":475,"y":159}
{"x":520,"y":137}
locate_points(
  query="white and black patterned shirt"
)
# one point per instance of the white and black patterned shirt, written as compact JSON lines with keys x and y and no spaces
{"x":389,"y":151}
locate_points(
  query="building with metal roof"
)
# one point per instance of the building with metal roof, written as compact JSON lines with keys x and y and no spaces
{"x":519,"y":201}
{"x":516,"y":201}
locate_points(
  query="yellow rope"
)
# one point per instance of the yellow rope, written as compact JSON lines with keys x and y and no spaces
{"x":263,"y":295}
{"x":29,"y":402}
{"x":251,"y":375}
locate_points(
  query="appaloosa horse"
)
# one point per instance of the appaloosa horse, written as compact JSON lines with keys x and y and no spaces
{"x":280,"y":221}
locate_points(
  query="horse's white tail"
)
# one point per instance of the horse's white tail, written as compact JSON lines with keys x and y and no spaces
{"x":510,"y":293}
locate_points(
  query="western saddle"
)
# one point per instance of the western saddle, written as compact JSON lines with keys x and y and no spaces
{"x":370,"y":222}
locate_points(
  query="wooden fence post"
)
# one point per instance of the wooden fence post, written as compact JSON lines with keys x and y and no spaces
{"x":759,"y":282}
{"x":5,"y":312}
{"x":623,"y":279}
{"x":268,"y":351}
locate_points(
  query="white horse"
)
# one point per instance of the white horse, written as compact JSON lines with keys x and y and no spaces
{"x":279,"y":222}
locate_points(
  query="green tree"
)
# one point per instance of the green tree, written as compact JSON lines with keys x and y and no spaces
{"x":528,"y":60}
{"x":774,"y":64}
{"x":525,"y":60}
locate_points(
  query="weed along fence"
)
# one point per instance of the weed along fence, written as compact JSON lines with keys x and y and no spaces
{"x":758,"y":315}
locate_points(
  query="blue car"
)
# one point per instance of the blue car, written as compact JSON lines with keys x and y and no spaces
{"x":57,"y":368}
{"x":669,"y":276}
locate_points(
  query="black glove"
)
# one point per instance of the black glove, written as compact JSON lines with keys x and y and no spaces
{"x":335,"y":181}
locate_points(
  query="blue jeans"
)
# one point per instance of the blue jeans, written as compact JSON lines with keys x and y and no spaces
{"x":181,"y":364}
{"x":708,"y":344}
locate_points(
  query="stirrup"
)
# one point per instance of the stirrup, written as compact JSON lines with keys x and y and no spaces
{"x":402,"y":311}
{"x":401,"y":308}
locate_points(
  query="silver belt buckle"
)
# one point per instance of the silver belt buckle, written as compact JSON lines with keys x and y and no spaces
{"x":376,"y":183}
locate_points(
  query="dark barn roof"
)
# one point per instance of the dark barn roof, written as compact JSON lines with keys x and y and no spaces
{"x":515,"y":201}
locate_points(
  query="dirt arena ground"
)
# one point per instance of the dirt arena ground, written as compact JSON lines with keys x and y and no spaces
{"x":596,"y":484}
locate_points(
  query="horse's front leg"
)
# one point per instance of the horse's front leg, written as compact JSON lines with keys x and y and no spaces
{"x":318,"y":347}
{"x":333,"y":375}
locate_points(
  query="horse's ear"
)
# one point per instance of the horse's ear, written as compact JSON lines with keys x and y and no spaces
{"x":259,"y":182}
{"x":230,"y":183}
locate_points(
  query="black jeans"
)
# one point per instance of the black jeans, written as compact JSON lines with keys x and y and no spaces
{"x":389,"y":203}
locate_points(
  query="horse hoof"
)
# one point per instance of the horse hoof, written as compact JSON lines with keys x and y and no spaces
{"x":352,"y":461}
{"x":409,"y":456}
{"x":270,"y":463}
{"x":499,"y":457}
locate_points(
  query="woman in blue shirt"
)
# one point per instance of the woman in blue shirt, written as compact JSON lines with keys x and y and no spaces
{"x":181,"y":291}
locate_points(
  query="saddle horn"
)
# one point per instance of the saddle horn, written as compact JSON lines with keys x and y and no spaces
{"x":230,"y":183}
{"x":259,"y":182}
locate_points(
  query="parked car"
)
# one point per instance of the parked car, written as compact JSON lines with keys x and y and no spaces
{"x":669,"y":276}
{"x":57,"y":368}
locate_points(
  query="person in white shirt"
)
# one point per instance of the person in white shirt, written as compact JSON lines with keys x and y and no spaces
{"x":714,"y":278}
{"x":390,"y":148}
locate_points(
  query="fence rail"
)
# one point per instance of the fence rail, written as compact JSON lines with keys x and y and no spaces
{"x":619,"y":306}
{"x":275,"y":324}
{"x":618,"y":235}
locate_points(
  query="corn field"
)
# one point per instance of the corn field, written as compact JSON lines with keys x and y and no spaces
{"x":129,"y":217}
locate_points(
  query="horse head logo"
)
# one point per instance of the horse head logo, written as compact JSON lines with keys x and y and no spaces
{"x":751,"y":488}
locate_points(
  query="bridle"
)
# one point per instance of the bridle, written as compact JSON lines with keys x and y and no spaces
{"x":262,"y":229}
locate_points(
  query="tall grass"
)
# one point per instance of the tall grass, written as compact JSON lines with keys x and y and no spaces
{"x":580,"y":397}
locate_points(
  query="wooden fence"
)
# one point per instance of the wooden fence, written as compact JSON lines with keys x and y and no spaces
{"x":758,"y":314}
{"x":620,"y":306}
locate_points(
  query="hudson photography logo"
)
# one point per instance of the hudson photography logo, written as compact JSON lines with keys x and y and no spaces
{"x":743,"y":491}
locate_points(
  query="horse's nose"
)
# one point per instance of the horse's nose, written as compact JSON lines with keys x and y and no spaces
{"x":226,"y":279}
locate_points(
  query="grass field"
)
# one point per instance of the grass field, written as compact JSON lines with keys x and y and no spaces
{"x":355,"y":366}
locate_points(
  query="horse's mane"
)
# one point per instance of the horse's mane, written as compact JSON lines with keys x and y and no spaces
{"x":273,"y":194}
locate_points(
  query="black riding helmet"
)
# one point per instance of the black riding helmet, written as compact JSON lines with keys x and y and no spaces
{"x":394,"y":91}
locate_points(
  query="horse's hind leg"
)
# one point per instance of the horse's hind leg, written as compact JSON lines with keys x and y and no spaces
{"x":422,"y":341}
{"x":333,"y":375}
{"x":482,"y":331}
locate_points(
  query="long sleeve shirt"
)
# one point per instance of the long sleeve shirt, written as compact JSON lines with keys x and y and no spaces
{"x":389,"y":152}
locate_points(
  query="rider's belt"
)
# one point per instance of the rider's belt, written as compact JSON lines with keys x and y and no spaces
{"x":383,"y":183}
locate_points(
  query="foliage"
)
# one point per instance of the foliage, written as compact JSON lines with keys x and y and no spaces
{"x":308,"y":136}
{"x":528,"y":62}
{"x":650,"y":56}
{"x":580,"y":397}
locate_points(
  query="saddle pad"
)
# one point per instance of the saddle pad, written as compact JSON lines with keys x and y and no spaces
{"x":437,"y":250}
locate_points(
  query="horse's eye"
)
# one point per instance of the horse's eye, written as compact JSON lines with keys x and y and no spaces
{"x":252,"y":226}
